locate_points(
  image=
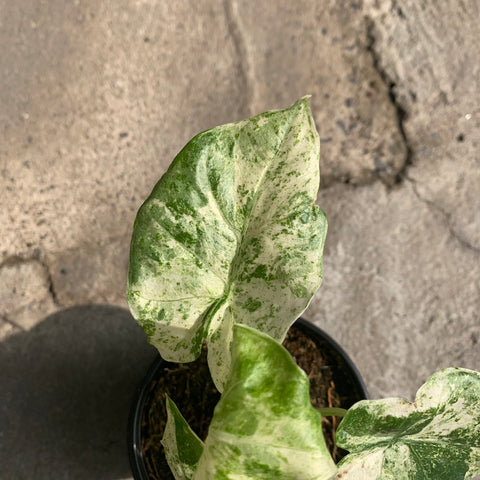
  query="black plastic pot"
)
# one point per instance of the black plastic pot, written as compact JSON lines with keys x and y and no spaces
{"x":348,"y":382}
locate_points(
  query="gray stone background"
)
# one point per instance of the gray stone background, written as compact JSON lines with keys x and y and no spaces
{"x":97,"y":97}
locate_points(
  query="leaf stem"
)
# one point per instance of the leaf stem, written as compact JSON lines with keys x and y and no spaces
{"x":332,"y":411}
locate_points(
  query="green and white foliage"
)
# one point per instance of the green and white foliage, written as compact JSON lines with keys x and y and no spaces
{"x":435,"y":438}
{"x":183,"y":448}
{"x":264,"y":425}
{"x":230,"y":235}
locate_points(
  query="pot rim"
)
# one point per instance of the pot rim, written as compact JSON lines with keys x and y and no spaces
{"x":137,"y":463}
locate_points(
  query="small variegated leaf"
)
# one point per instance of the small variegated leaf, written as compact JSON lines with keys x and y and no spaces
{"x":435,"y":438}
{"x":183,"y":448}
{"x":264,"y":426}
{"x":230,"y":235}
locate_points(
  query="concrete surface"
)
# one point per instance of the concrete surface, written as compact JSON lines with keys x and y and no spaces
{"x":96,"y":98}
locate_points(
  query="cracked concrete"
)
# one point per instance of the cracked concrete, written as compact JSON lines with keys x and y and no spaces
{"x":92,"y":273}
{"x":26,"y":293}
{"x":98,"y":97}
{"x":430,"y":53}
{"x":401,"y":172}
{"x":463,"y":241}
{"x":329,"y":58}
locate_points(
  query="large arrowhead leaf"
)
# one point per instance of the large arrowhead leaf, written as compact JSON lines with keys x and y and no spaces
{"x":264,"y":426}
{"x":230,"y":234}
{"x":435,"y":438}
{"x":183,"y":448}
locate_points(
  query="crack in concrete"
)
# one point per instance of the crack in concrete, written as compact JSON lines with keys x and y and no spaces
{"x":447,"y":217}
{"x":236,"y":31}
{"x":36,"y":258}
{"x":5,"y":319}
{"x":401,"y":113}
{"x":51,"y":285}
{"x":402,"y":175}
{"x":15,"y":260}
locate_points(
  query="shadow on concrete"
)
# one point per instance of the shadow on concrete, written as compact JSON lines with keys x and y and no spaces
{"x":67,"y":386}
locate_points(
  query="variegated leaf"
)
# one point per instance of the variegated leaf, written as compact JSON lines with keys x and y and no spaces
{"x":264,"y":426}
{"x":230,"y":235}
{"x":435,"y":438}
{"x":183,"y":448}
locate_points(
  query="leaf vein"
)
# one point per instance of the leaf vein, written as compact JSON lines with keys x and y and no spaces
{"x":258,"y":189}
{"x":193,"y":254}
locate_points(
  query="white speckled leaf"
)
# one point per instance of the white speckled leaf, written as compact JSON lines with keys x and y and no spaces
{"x":435,"y":438}
{"x":183,"y":448}
{"x":264,"y":426}
{"x":230,"y":234}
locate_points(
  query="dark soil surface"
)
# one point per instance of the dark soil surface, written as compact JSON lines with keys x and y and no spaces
{"x":192,"y":390}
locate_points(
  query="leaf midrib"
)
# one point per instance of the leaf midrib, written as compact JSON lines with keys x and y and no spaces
{"x":408,"y":440}
{"x":237,"y":257}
